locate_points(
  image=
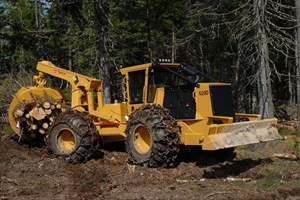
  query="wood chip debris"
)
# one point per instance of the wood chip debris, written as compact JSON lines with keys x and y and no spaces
{"x":181,"y":181}
{"x":185,"y":181}
{"x":231,"y":179}
{"x":289,"y":127}
{"x":131,"y":168}
{"x":287,"y":156}
{"x":214,"y":193}
{"x":9,"y":180}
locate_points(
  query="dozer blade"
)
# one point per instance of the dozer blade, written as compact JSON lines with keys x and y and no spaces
{"x":242,"y":133}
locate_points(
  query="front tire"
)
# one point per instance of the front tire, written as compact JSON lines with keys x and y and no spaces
{"x":73,"y":137}
{"x":152,"y":137}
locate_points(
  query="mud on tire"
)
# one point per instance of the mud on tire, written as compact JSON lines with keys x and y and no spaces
{"x":152,"y":137}
{"x":73,"y":137}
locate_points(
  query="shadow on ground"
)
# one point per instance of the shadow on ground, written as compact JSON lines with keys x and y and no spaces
{"x":220,"y":163}
{"x":205,"y":158}
{"x":233,"y":168}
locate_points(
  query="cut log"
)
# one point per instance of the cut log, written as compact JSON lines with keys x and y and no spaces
{"x":27,"y":115}
{"x":51,"y":119}
{"x":34,"y":126}
{"x":45,"y":125}
{"x":42,"y":131}
{"x":48,"y":111}
{"x":286,"y":156}
{"x":19,"y":113}
{"x":46,"y":105}
{"x":52,"y":107}
{"x":58,"y":106}
{"x":37,"y":113}
{"x":63,"y":110}
{"x":18,"y":125}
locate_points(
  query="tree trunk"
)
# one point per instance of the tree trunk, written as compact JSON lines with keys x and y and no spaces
{"x":148,"y":24}
{"x":173,"y":44}
{"x":297,"y":2}
{"x":102,"y":9}
{"x":36,"y":10}
{"x":266,"y":107}
{"x":239,"y":91}
{"x":290,"y":83}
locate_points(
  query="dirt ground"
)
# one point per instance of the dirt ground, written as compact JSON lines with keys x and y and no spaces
{"x":33,"y":173}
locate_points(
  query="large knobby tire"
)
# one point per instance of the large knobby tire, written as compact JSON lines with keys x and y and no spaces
{"x":73,"y":137}
{"x":152,"y":137}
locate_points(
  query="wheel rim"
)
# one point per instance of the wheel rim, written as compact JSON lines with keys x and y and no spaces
{"x":142,"y":139}
{"x":66,"y":141}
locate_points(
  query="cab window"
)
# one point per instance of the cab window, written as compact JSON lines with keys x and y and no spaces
{"x":136,"y":86}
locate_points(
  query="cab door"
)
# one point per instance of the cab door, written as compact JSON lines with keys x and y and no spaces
{"x":137,"y":89}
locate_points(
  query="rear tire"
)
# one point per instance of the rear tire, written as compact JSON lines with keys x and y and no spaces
{"x":152,"y":137}
{"x":73,"y":137}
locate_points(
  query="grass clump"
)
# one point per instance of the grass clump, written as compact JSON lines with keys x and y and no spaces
{"x":5,"y":130}
{"x":240,"y":184}
{"x":285,"y":132}
{"x":268,"y":183}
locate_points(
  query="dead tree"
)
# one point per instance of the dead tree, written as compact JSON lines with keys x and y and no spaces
{"x":297,"y":2}
{"x":102,"y":22}
{"x":263,"y":28}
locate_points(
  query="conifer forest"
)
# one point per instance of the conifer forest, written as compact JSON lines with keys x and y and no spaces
{"x":252,"y":44}
{"x":110,"y":145}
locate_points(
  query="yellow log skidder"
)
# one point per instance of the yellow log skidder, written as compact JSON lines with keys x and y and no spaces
{"x":164,"y":106}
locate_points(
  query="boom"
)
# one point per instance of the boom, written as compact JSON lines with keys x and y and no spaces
{"x":76,"y":80}
{"x":82,"y":86}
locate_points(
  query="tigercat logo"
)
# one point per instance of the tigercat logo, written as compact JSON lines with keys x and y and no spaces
{"x":205,"y":92}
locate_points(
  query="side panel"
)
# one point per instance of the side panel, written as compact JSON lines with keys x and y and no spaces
{"x":203,"y":102}
{"x":180,"y":102}
{"x":221,"y":100}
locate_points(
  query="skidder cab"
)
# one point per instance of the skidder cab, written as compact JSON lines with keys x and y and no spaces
{"x":164,"y":105}
{"x":198,"y":114}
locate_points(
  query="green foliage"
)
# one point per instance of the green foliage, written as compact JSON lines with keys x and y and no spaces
{"x":267,"y":183}
{"x":295,"y":183}
{"x":149,"y":36}
{"x":297,"y":148}
{"x":9,"y":85}
{"x":5,"y":130}
{"x":285,"y":132}
{"x":211,"y":35}
{"x":240,"y":184}
{"x":293,"y":139}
